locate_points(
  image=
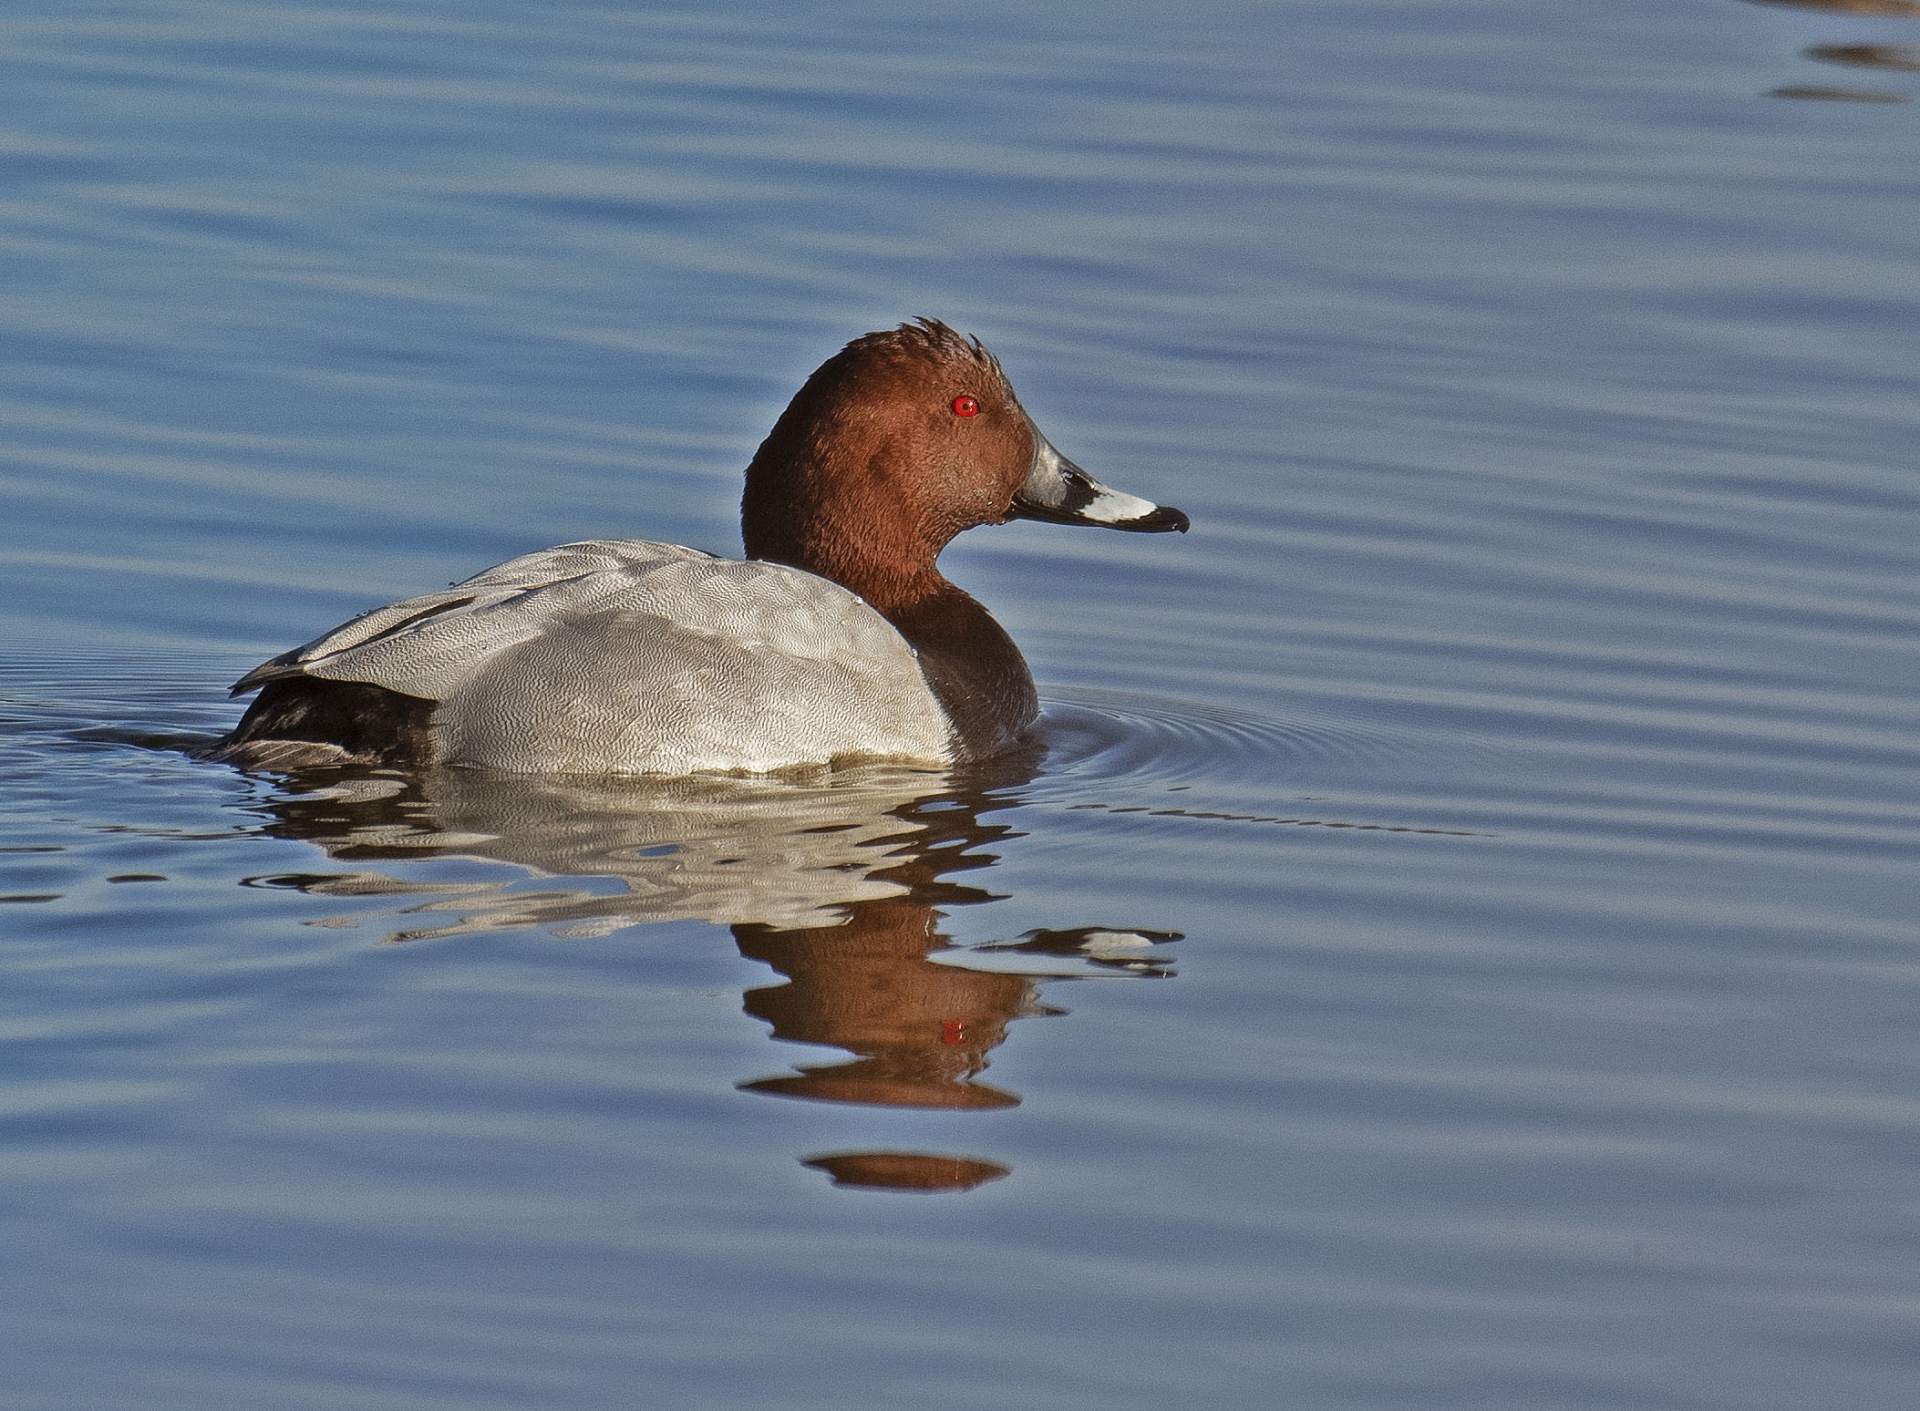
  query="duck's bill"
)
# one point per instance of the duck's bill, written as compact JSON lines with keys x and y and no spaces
{"x":1058,"y":491}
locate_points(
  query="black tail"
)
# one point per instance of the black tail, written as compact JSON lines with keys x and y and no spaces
{"x":307,"y":720}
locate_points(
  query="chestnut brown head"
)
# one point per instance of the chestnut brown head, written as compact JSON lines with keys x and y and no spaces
{"x":897,"y":443}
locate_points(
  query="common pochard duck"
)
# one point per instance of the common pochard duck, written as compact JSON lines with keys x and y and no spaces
{"x":836,"y":638}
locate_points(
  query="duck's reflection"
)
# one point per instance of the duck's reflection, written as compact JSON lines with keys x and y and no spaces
{"x":841,"y":883}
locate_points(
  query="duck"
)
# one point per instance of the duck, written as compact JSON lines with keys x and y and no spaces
{"x":836,"y":639}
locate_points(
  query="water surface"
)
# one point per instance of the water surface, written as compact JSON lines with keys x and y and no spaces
{"x":1452,"y":945}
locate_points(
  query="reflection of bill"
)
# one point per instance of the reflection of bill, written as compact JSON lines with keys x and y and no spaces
{"x":1894,"y":58}
{"x":1850,"y":7}
{"x":1898,"y":58}
{"x":1888,"y":58}
{"x":835,"y":881}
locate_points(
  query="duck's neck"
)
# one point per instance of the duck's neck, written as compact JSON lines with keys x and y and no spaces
{"x":973,"y":668}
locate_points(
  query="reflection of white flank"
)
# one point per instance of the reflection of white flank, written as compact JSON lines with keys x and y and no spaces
{"x":597,"y":856}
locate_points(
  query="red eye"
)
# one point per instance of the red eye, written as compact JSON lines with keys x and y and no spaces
{"x":965,"y":406}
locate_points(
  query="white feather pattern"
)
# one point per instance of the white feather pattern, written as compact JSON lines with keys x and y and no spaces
{"x":624,"y":656}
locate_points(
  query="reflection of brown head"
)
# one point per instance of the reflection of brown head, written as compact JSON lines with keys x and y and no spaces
{"x":906,"y":1170}
{"x":922,"y":1030}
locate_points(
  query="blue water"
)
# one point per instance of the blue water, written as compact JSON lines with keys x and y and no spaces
{"x":1457,"y":946}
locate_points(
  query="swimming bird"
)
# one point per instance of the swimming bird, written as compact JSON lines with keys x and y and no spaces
{"x":837,"y":638}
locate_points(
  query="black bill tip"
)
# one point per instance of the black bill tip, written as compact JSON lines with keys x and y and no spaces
{"x":1164,"y":520}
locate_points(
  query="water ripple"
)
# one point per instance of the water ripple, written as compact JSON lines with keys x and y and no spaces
{"x":1114,"y":736}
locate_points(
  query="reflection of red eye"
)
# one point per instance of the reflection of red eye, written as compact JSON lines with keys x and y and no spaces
{"x":965,"y":406}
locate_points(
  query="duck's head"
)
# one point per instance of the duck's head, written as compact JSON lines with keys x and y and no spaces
{"x":896,"y":444}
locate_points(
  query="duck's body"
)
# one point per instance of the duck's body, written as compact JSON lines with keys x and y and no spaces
{"x":836,"y":639}
{"x":625,"y":657}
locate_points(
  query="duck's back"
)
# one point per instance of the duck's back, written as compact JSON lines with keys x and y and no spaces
{"x":624,"y":656}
